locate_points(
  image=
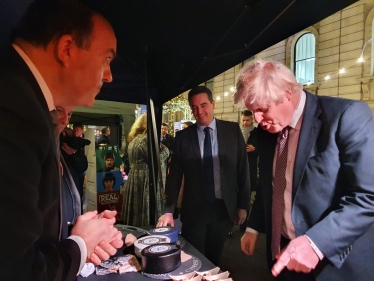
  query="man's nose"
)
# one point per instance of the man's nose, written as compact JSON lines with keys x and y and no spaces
{"x":258,"y":117}
{"x":107,"y":75}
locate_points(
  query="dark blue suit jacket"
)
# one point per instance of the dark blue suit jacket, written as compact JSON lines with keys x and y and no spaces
{"x":333,"y":186}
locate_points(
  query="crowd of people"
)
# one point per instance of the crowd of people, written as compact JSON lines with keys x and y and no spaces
{"x":307,"y":161}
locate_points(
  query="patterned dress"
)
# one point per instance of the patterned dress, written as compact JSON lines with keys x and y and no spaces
{"x":135,"y":210}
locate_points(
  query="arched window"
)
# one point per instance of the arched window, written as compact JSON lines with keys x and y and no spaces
{"x":305,"y":56}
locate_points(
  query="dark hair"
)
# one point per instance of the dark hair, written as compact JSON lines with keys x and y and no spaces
{"x":47,"y":20}
{"x":188,"y":123}
{"x":109,"y":155}
{"x":246,"y":113}
{"x":200,"y":90}
{"x":103,"y":130}
{"x":109,"y":177}
{"x":77,"y":124}
{"x":165,"y":124}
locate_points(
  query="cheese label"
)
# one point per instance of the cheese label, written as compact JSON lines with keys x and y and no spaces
{"x":161,"y":229}
{"x":157,"y":249}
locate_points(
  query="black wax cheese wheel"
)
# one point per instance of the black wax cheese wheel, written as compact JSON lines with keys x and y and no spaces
{"x":149,"y":240}
{"x":161,"y":258}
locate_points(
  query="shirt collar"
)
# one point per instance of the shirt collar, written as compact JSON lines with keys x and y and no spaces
{"x":299,"y":110}
{"x":212,"y":125}
{"x":43,"y":86}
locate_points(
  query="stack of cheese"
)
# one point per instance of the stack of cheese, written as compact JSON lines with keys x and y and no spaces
{"x":210,"y":275}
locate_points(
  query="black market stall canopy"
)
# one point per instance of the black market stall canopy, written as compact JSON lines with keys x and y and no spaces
{"x":166,"y":47}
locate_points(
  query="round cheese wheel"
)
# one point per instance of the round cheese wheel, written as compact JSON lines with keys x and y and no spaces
{"x":161,"y":258}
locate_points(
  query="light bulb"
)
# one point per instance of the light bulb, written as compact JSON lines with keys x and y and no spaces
{"x":360,"y":59}
{"x":327,"y":77}
{"x":342,"y":70}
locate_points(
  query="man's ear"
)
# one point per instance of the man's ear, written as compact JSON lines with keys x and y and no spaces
{"x":288,"y":94}
{"x":214,"y":104}
{"x":63,"y":49}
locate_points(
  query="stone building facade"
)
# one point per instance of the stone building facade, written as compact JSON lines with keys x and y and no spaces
{"x":340,"y":40}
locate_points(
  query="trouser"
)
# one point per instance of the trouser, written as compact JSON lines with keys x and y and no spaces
{"x":208,"y":232}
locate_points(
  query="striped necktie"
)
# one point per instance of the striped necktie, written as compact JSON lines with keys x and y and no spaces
{"x":278,"y":192}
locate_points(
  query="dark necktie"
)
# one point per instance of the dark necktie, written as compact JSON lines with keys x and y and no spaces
{"x":208,"y":167}
{"x":56,"y":132}
{"x":278,"y":193}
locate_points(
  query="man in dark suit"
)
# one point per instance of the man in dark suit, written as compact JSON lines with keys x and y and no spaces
{"x":166,"y":139}
{"x":250,"y":137}
{"x":315,"y":198}
{"x":211,"y":156}
{"x":60,"y":56}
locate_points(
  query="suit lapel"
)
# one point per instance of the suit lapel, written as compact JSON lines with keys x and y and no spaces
{"x":221,"y":140}
{"x":310,"y":129}
{"x":195,"y":143}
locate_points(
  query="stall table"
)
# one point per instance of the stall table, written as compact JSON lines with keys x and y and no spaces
{"x":137,"y":276}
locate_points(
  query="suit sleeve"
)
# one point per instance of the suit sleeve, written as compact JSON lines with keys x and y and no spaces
{"x":174,"y":178}
{"x":353,"y":213}
{"x":242,"y":174}
{"x":28,"y":252}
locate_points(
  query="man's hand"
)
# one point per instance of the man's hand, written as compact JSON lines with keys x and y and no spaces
{"x":298,"y":256}
{"x":101,"y":237}
{"x":248,"y":242}
{"x":241,"y":216}
{"x":165,"y":220}
{"x":104,"y":250}
{"x":249,"y":148}
{"x":68,"y":149}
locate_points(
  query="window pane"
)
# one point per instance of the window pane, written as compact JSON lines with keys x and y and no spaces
{"x":305,"y":59}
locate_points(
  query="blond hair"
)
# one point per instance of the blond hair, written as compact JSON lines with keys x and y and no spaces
{"x":263,"y":82}
{"x":139,"y":127}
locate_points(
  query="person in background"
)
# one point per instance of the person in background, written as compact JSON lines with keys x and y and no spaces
{"x":71,"y":201}
{"x":136,"y":197}
{"x":186,"y":124}
{"x":78,"y":130}
{"x":76,"y":160}
{"x":60,"y":55}
{"x":315,"y":198}
{"x":211,"y":156}
{"x":250,"y":137}
{"x":104,"y":138}
{"x":168,"y":141}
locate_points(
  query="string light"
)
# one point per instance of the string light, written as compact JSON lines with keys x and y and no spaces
{"x":179,"y":103}
{"x":226,"y":94}
{"x":218,"y":98}
{"x":360,"y":60}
